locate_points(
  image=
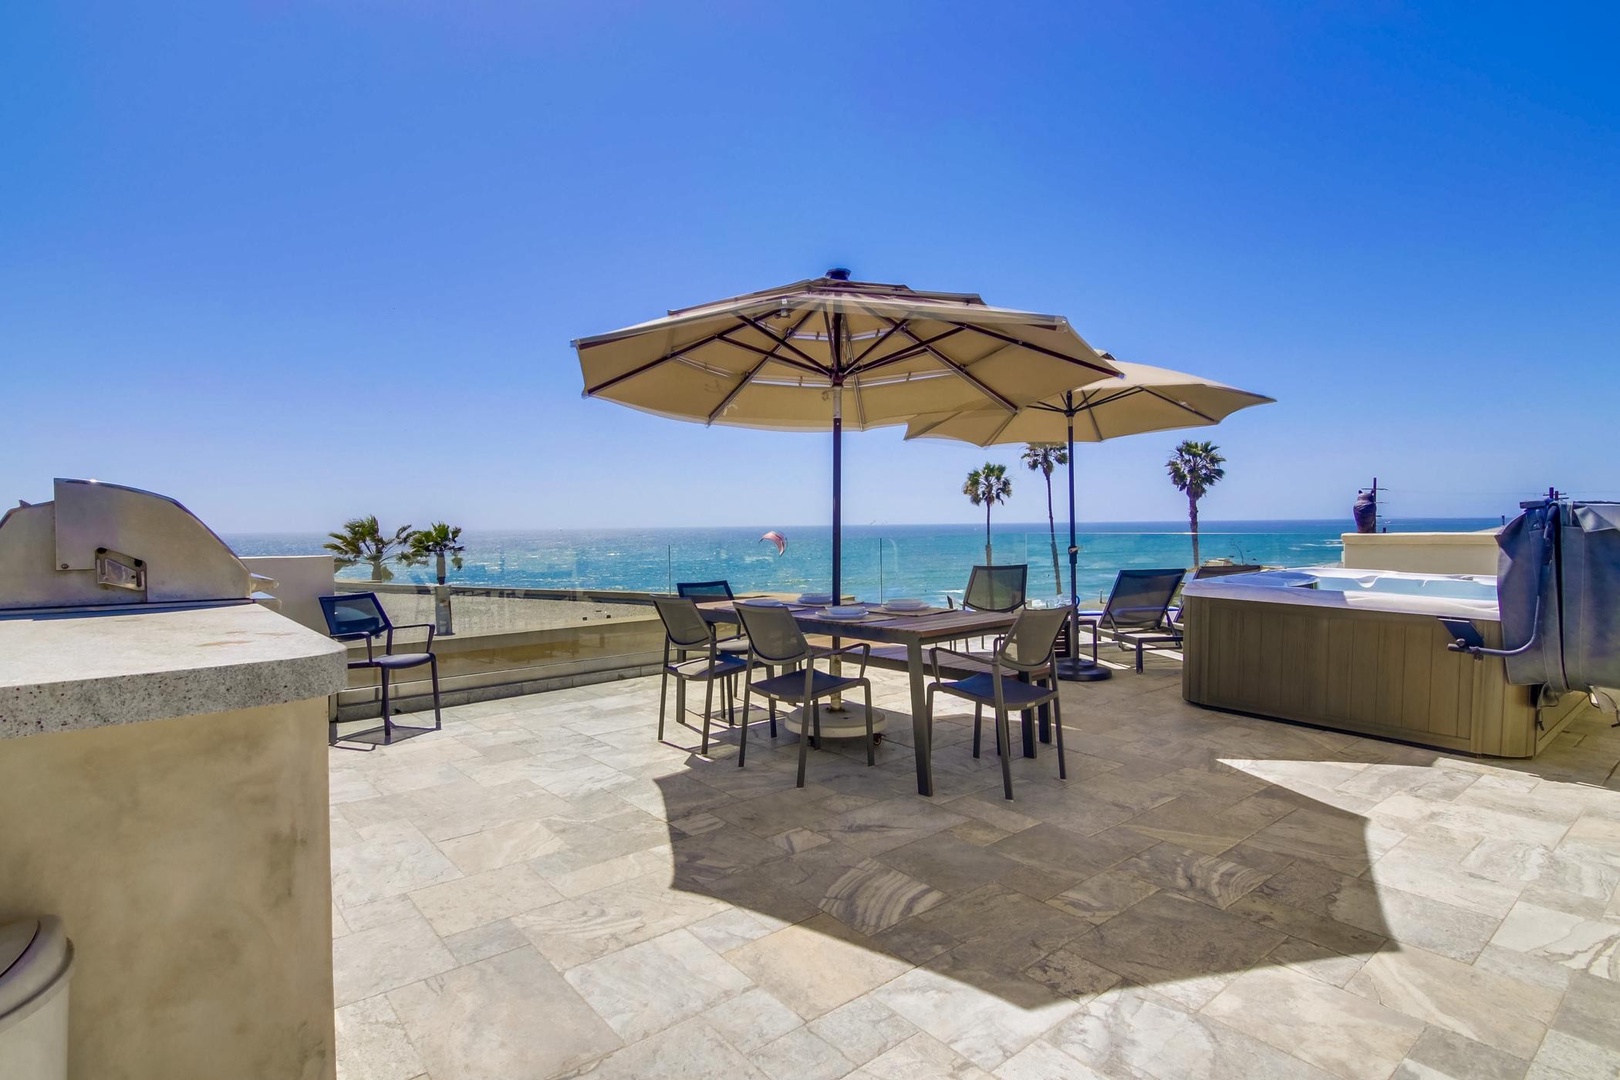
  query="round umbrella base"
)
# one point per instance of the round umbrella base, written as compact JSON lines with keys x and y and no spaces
{"x":846,"y":723}
{"x":1081,"y":669}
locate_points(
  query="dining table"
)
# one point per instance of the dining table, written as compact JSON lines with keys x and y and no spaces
{"x":915,"y":631}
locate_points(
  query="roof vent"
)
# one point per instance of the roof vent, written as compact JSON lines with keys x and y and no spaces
{"x":838,"y":273}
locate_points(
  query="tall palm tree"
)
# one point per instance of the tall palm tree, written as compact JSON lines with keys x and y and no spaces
{"x":1194,"y":468}
{"x":438,"y":541}
{"x":362,"y":541}
{"x":1043,"y":458}
{"x":986,"y":486}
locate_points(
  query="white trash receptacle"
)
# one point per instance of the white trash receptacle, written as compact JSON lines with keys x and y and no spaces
{"x":36,"y":962}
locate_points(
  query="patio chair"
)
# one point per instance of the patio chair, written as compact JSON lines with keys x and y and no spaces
{"x":996,"y":588}
{"x":1021,"y":661}
{"x":714,"y":590}
{"x":776,"y":641}
{"x":685,"y":631}
{"x":1137,"y":614}
{"x":1212,"y":570}
{"x":360,"y":616}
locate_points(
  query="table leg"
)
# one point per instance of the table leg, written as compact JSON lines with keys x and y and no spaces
{"x":1026,"y":722}
{"x":921,"y":738}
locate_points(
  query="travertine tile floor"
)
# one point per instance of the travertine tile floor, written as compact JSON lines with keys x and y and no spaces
{"x":543,"y":889}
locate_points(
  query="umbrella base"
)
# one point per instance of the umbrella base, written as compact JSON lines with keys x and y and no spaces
{"x":846,"y":723}
{"x":1081,"y":669}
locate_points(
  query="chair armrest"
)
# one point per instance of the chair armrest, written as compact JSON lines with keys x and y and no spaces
{"x":933,"y":660}
{"x":862,"y":647}
{"x":431,"y":628}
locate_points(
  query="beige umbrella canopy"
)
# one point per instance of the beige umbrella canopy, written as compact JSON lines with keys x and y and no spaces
{"x":1143,"y":399}
{"x":821,"y":354}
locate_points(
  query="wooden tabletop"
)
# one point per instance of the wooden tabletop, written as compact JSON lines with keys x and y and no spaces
{"x":878,"y":626}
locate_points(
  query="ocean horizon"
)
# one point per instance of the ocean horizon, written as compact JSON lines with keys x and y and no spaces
{"x":879,"y":561}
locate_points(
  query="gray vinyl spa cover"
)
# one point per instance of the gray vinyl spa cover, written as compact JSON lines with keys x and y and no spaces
{"x":1558,"y":587}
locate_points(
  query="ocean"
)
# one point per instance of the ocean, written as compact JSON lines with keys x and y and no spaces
{"x":880,"y":561}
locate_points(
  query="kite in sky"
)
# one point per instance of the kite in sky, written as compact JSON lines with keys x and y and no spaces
{"x":776,"y":538}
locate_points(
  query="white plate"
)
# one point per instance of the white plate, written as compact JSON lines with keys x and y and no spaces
{"x":761,"y":601}
{"x":843,"y":614}
{"x":816,"y":598}
{"x":905,"y":605}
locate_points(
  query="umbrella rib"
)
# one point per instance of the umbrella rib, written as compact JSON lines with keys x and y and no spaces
{"x":721,"y":336}
{"x":909,"y":352}
{"x":1179,"y":404}
{"x":967,"y":375}
{"x":1010,"y":340}
{"x":780,"y":341}
{"x":731,"y":395}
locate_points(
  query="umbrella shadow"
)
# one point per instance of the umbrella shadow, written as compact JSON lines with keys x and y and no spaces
{"x":1177,"y":871}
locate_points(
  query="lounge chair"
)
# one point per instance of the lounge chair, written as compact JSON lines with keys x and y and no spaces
{"x":1013,"y":683}
{"x":685,"y":631}
{"x":1137,"y":614}
{"x":360,"y":616}
{"x":996,"y":588}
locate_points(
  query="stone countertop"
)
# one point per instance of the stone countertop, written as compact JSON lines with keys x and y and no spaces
{"x":89,"y":668}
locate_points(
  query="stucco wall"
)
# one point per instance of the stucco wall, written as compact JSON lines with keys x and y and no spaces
{"x":189,"y":860}
{"x":1422,"y":553}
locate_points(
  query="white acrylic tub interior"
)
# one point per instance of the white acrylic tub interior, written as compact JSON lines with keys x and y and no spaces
{"x":1450,"y":595}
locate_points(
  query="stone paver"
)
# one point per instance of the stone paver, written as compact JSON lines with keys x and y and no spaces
{"x":543,"y":889}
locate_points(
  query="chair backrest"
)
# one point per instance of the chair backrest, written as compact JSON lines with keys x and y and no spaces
{"x":683,"y":623}
{"x":773,"y":636}
{"x":1141,"y":599}
{"x":1030,"y":641}
{"x":996,"y":588}
{"x":351,"y":615}
{"x":704,"y":590}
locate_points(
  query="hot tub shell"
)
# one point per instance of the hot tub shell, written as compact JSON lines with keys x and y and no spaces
{"x":1367,"y":662}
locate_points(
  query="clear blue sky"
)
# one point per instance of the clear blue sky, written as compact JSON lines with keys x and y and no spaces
{"x":292,"y":262}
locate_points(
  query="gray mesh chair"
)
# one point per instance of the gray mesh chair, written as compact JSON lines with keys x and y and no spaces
{"x":1137,"y":614}
{"x":714,"y":590}
{"x":996,"y":588}
{"x":684,"y":632}
{"x":1021,"y":661}
{"x":776,"y":641}
{"x":360,"y":616}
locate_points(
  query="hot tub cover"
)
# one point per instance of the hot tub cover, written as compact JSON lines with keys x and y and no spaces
{"x":1558,"y":588}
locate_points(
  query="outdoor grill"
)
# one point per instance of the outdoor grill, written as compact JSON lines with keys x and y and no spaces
{"x":102,"y":545}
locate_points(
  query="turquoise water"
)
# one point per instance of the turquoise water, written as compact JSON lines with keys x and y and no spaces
{"x":926,"y":561}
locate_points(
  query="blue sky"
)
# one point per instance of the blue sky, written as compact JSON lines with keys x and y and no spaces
{"x":293,"y":262}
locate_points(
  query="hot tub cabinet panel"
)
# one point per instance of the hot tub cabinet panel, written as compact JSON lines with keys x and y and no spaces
{"x":1370,"y":672}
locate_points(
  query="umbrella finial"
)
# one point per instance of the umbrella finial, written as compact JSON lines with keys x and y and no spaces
{"x":838,"y":273}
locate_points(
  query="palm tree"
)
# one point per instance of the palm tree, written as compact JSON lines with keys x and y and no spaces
{"x":986,"y":486}
{"x":438,"y":541}
{"x":362,"y":541}
{"x":1043,"y":458}
{"x":1194,"y":468}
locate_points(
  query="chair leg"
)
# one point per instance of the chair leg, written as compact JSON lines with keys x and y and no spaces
{"x":815,"y":717}
{"x":742,"y":745}
{"x":680,"y":701}
{"x":871,"y":736}
{"x":1004,"y":745}
{"x":1057,"y":729}
{"x":1093,"y":643}
{"x":708,"y":707}
{"x":772,"y":705}
{"x":663,"y":699}
{"x":388,"y":720}
{"x":804,"y":745}
{"x":1139,"y":658}
{"x":978,"y":721}
{"x":438,"y":717}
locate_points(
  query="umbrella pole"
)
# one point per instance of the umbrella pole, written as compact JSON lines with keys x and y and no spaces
{"x":1074,"y":667}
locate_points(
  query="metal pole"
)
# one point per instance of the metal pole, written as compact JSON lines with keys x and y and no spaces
{"x":1074,"y":667}
{"x":837,"y":347}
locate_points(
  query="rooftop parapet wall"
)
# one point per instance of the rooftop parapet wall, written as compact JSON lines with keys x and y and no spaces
{"x":1423,"y":552}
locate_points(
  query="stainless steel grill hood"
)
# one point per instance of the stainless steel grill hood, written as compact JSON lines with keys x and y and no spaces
{"x":103,"y":545}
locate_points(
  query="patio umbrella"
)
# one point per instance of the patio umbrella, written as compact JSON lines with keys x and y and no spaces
{"x":828,"y":353}
{"x":1144,"y":399}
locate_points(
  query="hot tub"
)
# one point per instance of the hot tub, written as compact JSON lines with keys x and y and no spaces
{"x":1361,"y":651}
